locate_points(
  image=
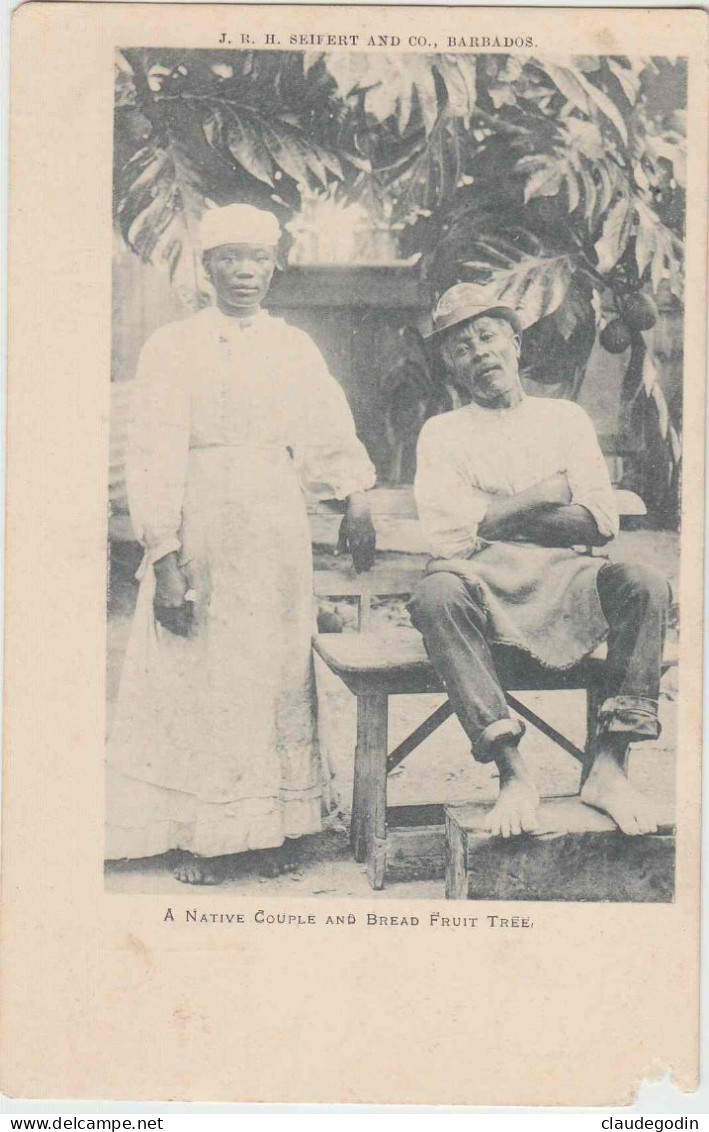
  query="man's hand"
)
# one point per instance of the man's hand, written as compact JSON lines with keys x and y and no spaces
{"x":357,"y":532}
{"x":169,"y":605}
{"x":554,"y":490}
{"x":569,"y":525}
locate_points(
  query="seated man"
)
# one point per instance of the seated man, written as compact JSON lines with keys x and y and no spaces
{"x":507,"y":487}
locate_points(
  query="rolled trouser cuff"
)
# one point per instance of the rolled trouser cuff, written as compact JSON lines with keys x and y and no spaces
{"x":633,"y":716}
{"x":495,"y":734}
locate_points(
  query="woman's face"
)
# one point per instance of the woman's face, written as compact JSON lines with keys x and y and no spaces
{"x":241,"y":275}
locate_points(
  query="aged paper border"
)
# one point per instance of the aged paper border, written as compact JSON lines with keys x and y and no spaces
{"x":101,"y":997}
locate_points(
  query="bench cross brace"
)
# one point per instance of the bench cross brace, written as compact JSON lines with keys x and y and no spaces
{"x":439,"y":716}
{"x":442,"y":713}
{"x":546,"y":729}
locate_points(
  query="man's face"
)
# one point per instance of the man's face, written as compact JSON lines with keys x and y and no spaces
{"x":482,"y":356}
{"x":241,"y":275}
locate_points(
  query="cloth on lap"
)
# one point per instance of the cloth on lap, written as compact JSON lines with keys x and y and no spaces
{"x":540,"y":600}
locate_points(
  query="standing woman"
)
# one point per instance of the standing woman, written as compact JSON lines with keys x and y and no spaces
{"x":214,"y":747}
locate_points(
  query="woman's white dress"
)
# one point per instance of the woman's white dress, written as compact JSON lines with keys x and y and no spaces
{"x":214,"y":743}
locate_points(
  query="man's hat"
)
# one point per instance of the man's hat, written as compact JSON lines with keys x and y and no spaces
{"x":238,"y":224}
{"x":470,"y":300}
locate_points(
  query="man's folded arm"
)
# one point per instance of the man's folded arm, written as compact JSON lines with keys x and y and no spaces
{"x":547,"y":514}
{"x":513,"y":516}
{"x":567,"y":525}
{"x":556,"y":511}
{"x":542,"y":513}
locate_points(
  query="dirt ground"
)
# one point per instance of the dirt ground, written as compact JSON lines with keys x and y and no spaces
{"x":440,"y":770}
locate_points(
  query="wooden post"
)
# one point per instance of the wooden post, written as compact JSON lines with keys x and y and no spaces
{"x":368,"y":830}
{"x":365,"y":612}
{"x":364,"y":603}
{"x":456,"y":860}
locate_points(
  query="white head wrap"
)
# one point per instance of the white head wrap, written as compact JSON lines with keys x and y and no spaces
{"x":238,"y":224}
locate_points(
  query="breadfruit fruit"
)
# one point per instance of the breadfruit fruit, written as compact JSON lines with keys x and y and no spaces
{"x":640,"y":312}
{"x":615,"y":337}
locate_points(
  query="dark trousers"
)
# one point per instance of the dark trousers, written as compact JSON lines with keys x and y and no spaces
{"x":635,"y":601}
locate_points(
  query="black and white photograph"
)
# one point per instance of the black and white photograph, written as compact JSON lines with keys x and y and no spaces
{"x":395,"y":473}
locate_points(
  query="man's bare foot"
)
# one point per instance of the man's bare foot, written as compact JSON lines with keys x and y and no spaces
{"x":284,"y":859}
{"x":607,"y":789}
{"x":515,"y":811}
{"x":192,"y":869}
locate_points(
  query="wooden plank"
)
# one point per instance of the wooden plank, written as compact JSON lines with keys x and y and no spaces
{"x":388,"y":501}
{"x":381,"y":581}
{"x":389,"y":654}
{"x":628,"y":503}
{"x":416,"y":852}
{"x":392,"y":650}
{"x":426,"y":814}
{"x":395,"y":286}
{"x":372,"y":652}
{"x":400,"y":502}
{"x":395,"y":534}
{"x":584,"y":867}
{"x":560,"y":815}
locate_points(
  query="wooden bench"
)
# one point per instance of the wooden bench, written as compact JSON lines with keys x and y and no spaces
{"x":375,"y":666}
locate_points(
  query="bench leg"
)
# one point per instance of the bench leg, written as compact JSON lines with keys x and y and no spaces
{"x":456,"y":861}
{"x":368,"y":830}
{"x":593,"y":704}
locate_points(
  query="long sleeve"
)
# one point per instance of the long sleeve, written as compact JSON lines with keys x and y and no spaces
{"x":156,"y":456}
{"x":450,"y":508}
{"x":332,"y":462}
{"x":588,"y":475}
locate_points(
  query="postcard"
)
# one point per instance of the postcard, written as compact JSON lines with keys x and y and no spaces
{"x":353,"y":679}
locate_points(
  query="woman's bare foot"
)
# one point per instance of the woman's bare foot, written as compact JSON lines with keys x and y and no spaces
{"x":607,"y":789}
{"x":515,"y":811}
{"x":192,"y":869}
{"x":284,"y":859}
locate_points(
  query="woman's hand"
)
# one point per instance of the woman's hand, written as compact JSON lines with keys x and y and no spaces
{"x":169,"y":605}
{"x":357,"y":532}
